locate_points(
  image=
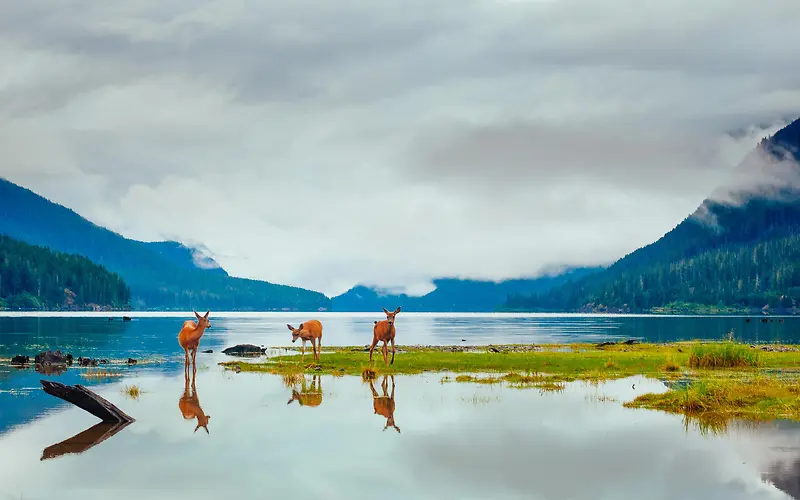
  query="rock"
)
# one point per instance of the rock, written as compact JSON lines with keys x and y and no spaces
{"x":103,"y":361}
{"x":208,"y":351}
{"x":20,"y":360}
{"x":126,"y":318}
{"x":87,"y":361}
{"x":49,"y":358}
{"x":131,"y":361}
{"x":244,"y":350}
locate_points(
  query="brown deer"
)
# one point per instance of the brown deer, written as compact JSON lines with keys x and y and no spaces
{"x":308,"y":397}
{"x":384,"y":405}
{"x":189,"y":405}
{"x":384,"y":331}
{"x":310,"y":330}
{"x":189,"y":338}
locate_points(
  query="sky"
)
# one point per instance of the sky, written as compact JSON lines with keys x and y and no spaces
{"x":325,"y":144}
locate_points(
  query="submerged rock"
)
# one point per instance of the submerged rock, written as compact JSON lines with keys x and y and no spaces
{"x":131,"y":361}
{"x":244,"y":350}
{"x":208,"y":351}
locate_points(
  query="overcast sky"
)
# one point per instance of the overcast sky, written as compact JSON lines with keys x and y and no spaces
{"x":324,"y":144}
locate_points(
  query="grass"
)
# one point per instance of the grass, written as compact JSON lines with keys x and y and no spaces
{"x":131,"y":391}
{"x":728,"y":379}
{"x":723,"y":355}
{"x":100,"y":374}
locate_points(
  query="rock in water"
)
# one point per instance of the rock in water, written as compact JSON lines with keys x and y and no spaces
{"x":20,"y":360}
{"x":244,"y":350}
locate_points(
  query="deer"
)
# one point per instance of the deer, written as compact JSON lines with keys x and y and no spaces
{"x":384,"y":405}
{"x":189,"y":338}
{"x":310,"y":330}
{"x":384,"y":331}
{"x":189,"y":404}
{"x":308,"y":397}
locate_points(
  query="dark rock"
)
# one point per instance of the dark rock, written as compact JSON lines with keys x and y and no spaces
{"x":103,"y":361}
{"x":747,"y":320}
{"x":463,"y":340}
{"x":69,"y":359}
{"x":131,"y":361}
{"x":208,"y":351}
{"x":20,"y":360}
{"x":49,"y":358}
{"x":87,"y":361}
{"x":126,"y":318}
{"x":244,"y":350}
{"x":630,"y":342}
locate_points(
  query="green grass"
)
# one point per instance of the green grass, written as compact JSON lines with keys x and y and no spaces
{"x":723,"y":355}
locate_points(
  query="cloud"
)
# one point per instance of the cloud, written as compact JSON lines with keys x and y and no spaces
{"x":390,"y":142}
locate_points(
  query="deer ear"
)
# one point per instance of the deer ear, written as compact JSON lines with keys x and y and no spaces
{"x":300,"y":327}
{"x":290,"y":327}
{"x":397,"y":310}
{"x":384,"y":310}
{"x":197,"y":315}
{"x":207,"y":313}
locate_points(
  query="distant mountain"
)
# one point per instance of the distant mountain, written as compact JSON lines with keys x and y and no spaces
{"x":162,"y":275}
{"x":453,"y":295}
{"x":35,"y":278}
{"x":739,"y":250}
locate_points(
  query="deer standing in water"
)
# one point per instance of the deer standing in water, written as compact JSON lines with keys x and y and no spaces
{"x":384,"y":405}
{"x":384,"y":331}
{"x":189,"y":405}
{"x":308,"y":397}
{"x":189,"y":338}
{"x":310,"y":330}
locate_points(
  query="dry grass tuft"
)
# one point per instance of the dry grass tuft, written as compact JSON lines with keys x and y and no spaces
{"x":131,"y":391}
{"x":368,"y":374}
{"x":722,"y":355}
{"x":291,"y":379}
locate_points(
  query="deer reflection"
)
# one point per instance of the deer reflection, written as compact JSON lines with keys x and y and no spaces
{"x":307,"y":396}
{"x":384,"y":405}
{"x":189,"y":405}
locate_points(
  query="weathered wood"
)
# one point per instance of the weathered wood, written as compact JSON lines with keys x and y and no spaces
{"x":84,"y":440}
{"x":87,"y":400}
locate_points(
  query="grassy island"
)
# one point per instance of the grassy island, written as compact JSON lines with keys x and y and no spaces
{"x":714,"y":380}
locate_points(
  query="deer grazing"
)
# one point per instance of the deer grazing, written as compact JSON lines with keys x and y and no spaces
{"x":189,"y":404}
{"x":310,"y":330}
{"x":384,"y":331}
{"x":308,"y":397}
{"x":189,"y":338}
{"x":384,"y":405}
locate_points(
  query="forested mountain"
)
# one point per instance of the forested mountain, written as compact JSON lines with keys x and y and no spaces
{"x":453,"y":295}
{"x":33,"y":277}
{"x":162,"y":275}
{"x":738,"y":253}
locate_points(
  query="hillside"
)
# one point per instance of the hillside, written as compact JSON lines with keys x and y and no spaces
{"x":740,"y":252}
{"x":162,"y":275}
{"x":453,"y":295}
{"x":33,"y":277}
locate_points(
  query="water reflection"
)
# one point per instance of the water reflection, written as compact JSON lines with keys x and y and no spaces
{"x":307,"y":396}
{"x":82,"y":441}
{"x":384,"y":405}
{"x":189,"y":404}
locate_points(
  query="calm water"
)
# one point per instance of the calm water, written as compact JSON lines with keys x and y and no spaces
{"x":455,"y":440}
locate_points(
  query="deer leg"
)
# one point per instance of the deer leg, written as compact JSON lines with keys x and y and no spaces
{"x":385,"y":353}
{"x":186,"y":365}
{"x":304,"y":352}
{"x":319,"y":347}
{"x":374,"y":343}
{"x":393,"y":349}
{"x":194,"y":361}
{"x":314,"y":349}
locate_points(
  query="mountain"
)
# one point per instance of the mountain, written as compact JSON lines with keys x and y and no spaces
{"x":34,"y":277}
{"x":453,"y":295}
{"x":161,"y":275}
{"x":739,"y":250}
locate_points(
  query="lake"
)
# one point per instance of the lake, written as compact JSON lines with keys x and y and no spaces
{"x":443,"y":440}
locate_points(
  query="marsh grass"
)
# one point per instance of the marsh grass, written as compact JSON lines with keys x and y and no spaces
{"x":100,"y":374}
{"x":723,"y":355}
{"x":290,"y":380}
{"x":368,"y":374}
{"x":131,"y":391}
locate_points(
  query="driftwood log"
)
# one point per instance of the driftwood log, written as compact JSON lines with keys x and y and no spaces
{"x":84,"y":440}
{"x":87,"y":400}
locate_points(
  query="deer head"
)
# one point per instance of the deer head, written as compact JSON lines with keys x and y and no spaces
{"x":202,"y":321}
{"x":390,"y":315}
{"x":295,"y":331}
{"x":203,"y":423}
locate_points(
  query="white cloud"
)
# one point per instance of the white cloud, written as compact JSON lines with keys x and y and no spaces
{"x":390,"y":142}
